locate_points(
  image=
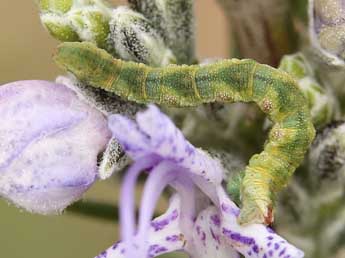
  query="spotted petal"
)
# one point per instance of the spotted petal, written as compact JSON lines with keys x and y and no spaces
{"x":208,"y":224}
{"x":255,"y":240}
{"x":207,"y":237}
{"x":155,"y":133}
{"x":164,"y":236}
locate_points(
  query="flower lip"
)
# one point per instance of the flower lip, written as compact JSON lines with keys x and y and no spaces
{"x":154,"y":133}
{"x":204,"y":222}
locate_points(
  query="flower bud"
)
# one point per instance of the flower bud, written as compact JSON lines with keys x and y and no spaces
{"x":327,"y":156}
{"x":49,"y":143}
{"x":321,"y":101}
{"x":76,"y":20}
{"x":174,"y":21}
{"x":61,"y":6}
{"x":327,"y":29}
{"x":134,"y":38}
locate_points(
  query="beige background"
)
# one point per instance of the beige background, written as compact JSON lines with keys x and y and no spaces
{"x":26,"y":48}
{"x":25,"y":52}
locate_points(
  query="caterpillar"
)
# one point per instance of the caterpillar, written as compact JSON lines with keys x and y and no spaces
{"x":233,"y":80}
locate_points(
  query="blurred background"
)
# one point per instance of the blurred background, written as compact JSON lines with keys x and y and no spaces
{"x":26,"y":48}
{"x":25,"y":51}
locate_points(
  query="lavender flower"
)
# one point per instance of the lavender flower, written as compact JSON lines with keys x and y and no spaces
{"x":201,"y":219}
{"x":49,"y":142}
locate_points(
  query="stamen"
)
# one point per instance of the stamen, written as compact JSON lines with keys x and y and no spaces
{"x":127,"y":211}
{"x":158,"y":179}
{"x":186,"y":191}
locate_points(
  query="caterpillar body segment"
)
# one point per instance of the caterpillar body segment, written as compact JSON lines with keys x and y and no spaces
{"x":274,"y":91}
{"x":173,"y":85}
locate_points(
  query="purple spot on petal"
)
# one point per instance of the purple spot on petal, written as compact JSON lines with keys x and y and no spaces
{"x":214,"y":236}
{"x":276,"y":246}
{"x":156,"y":249}
{"x":282,"y":252}
{"x":189,"y":150}
{"x":256,"y":249}
{"x":160,"y":224}
{"x":115,"y":245}
{"x":198,"y":229}
{"x":102,"y":255}
{"x":238,"y":237}
{"x":172,"y":238}
{"x":230,"y":210}
{"x":216,"y":220}
{"x":270,"y":230}
{"x":203,"y":238}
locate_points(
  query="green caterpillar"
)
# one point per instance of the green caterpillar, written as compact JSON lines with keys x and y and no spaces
{"x":274,"y":91}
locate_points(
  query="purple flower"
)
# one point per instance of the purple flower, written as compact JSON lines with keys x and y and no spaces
{"x":201,"y":219}
{"x":49,"y":142}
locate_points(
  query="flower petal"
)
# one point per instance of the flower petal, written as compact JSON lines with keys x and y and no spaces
{"x":215,"y":232}
{"x":158,"y":179}
{"x":164,"y":235}
{"x":255,"y":240}
{"x":208,"y":240}
{"x":156,"y":134}
{"x":127,"y":205}
{"x":49,"y":142}
{"x":132,"y":139}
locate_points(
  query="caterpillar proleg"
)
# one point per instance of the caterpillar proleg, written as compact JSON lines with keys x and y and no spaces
{"x":274,"y":91}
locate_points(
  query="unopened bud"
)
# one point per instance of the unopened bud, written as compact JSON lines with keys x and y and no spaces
{"x":327,"y":29}
{"x":77,"y":20}
{"x":134,"y":38}
{"x":174,"y":21}
{"x":327,"y":156}
{"x":49,"y":144}
{"x":114,"y":159}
